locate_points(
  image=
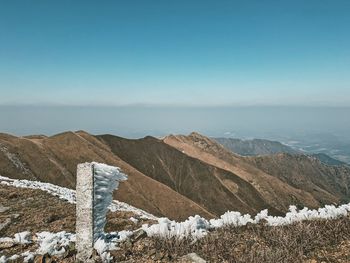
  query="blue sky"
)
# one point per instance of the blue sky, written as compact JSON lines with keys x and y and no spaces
{"x":175,"y":52}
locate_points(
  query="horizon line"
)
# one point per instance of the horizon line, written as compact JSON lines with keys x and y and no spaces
{"x":174,"y":105}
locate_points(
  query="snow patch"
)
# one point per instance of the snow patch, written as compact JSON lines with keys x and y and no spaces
{"x":23,"y":238}
{"x":197,"y":227}
{"x":27,"y":256}
{"x":134,"y":220}
{"x":53,"y":243}
{"x":56,"y":244}
{"x":69,"y":195}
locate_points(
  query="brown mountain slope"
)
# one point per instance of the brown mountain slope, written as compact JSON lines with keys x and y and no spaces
{"x":278,"y":193}
{"x":54,"y":159}
{"x":211,"y":187}
{"x":307,"y":173}
{"x":179,"y":176}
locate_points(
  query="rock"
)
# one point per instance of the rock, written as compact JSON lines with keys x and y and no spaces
{"x":7,"y":244}
{"x":127,"y":244}
{"x":3,"y":209}
{"x":70,"y":250}
{"x":139,"y":234}
{"x":51,"y":219}
{"x":15,"y":216}
{"x":193,"y":258}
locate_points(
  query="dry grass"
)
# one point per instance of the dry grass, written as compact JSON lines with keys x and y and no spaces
{"x":320,"y":240}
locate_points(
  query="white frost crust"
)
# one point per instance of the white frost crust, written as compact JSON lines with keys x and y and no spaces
{"x":69,"y":195}
{"x":197,"y":227}
{"x":106,"y":180}
{"x":23,"y":237}
{"x":55,"y":244}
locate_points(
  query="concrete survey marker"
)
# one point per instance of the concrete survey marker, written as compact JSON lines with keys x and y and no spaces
{"x":95,"y":185}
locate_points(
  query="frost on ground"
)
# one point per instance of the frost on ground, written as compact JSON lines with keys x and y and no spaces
{"x":196,"y":227}
{"x":69,"y":195}
{"x":57,"y":244}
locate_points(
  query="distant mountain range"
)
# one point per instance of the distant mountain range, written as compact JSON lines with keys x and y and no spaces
{"x":178,"y":176}
{"x":266,"y":147}
{"x":255,"y":146}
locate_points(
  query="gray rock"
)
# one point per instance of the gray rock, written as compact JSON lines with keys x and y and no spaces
{"x":192,"y":257}
{"x":7,"y":244}
{"x":139,"y":234}
{"x":3,"y":209}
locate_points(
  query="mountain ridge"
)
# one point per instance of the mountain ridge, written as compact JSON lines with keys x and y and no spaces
{"x":175,"y":176}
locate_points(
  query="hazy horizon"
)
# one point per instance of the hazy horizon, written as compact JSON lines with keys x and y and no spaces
{"x":140,"y":121}
{"x":251,"y":69}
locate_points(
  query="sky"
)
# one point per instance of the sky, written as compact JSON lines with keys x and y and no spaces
{"x":175,"y":53}
{"x":136,"y":68}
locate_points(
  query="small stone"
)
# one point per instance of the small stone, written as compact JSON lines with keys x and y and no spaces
{"x":3,"y":209}
{"x":70,"y":250}
{"x":7,"y":244}
{"x":128,"y":244}
{"x":193,"y":258}
{"x":51,"y":219}
{"x":15,"y":216}
{"x":139,"y":234}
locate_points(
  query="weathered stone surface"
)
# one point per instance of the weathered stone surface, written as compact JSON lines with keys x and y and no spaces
{"x":139,"y":234}
{"x":193,"y":258}
{"x":84,"y":210}
{"x":7,"y":244}
{"x":51,"y":219}
{"x":3,"y":208}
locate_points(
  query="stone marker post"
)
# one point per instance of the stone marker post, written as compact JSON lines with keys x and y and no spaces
{"x":84,"y":212}
{"x":95,"y":185}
